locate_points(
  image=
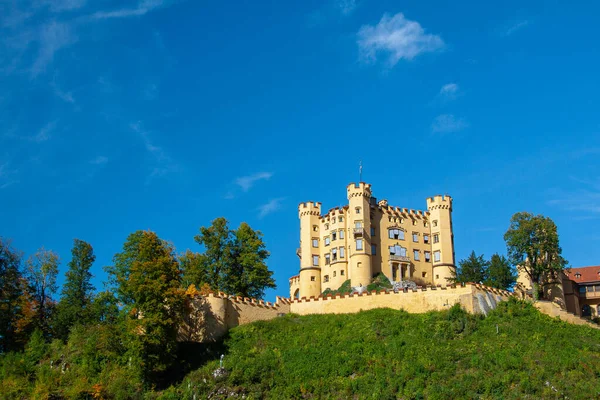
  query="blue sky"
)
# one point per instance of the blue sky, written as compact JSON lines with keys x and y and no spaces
{"x":122,"y":115}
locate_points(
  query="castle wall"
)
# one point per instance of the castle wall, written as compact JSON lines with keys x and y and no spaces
{"x":209,"y":317}
{"x":473,"y":298}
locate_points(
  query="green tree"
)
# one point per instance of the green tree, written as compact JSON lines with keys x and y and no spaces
{"x":77,"y":291}
{"x":233,"y":260}
{"x":11,"y":290}
{"x":533,"y":246}
{"x":500,"y":274}
{"x":148,"y":283}
{"x":472,"y":269}
{"x":42,"y":269}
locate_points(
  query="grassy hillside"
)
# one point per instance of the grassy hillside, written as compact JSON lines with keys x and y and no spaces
{"x":514,"y":353}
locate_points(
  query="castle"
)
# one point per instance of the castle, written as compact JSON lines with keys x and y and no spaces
{"x":367,"y":237}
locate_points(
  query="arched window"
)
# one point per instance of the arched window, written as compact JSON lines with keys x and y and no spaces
{"x":326,"y":226}
{"x":357,"y":210}
{"x":297,"y":294}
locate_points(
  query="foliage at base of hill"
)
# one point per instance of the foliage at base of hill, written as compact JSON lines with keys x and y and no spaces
{"x":380,"y":282}
{"x":513,"y":353}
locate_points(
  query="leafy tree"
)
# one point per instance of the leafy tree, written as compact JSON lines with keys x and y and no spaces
{"x":77,"y":291}
{"x":104,"y":309}
{"x":533,"y":246}
{"x":471,"y":269}
{"x":42,"y":269}
{"x":148,"y":285}
{"x":500,"y":274}
{"x":233,"y":260}
{"x":11,"y":290}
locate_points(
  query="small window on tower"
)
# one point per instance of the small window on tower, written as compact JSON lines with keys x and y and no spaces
{"x":315,"y":261}
{"x":326,"y":226}
{"x":334,"y":273}
{"x":312,"y":279}
{"x":342,"y":272}
{"x":315,"y":228}
{"x":436,"y":238}
{"x":340,"y":219}
{"x":423,"y":274}
{"x":434,"y":223}
{"x":327,"y":241}
{"x":341,"y":234}
{"x":436,"y":256}
{"x":373,"y":250}
{"x":315,"y":243}
{"x":359,"y":244}
{"x":357,"y":210}
{"x":333,"y":235}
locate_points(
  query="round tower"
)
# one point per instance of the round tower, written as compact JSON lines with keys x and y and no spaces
{"x":310,"y":262}
{"x":359,"y":228}
{"x":442,"y":238}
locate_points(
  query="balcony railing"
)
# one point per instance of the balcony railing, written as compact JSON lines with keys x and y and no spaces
{"x":395,"y":257}
{"x":359,"y":232}
{"x":590,"y":295}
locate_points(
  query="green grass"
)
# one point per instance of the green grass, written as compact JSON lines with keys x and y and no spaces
{"x":387,"y":354}
{"x":513,"y":353}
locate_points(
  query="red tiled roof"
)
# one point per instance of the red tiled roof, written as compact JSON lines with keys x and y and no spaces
{"x":584,"y":274}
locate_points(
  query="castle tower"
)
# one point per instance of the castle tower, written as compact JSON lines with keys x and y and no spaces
{"x":359,"y":228}
{"x":442,"y":246}
{"x":310,"y":260}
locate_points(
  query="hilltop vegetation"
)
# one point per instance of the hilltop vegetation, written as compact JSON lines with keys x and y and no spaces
{"x":514,"y":353}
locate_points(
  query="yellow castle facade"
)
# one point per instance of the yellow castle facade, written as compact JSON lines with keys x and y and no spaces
{"x":367,"y":237}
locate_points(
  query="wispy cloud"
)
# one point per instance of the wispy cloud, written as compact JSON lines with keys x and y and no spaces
{"x":397,"y":38}
{"x":100,"y":160}
{"x":143,"y":7}
{"x":515,"y":27}
{"x":6,"y":175}
{"x":246,"y":182}
{"x":45,"y":133}
{"x":446,"y":123}
{"x":449,"y":91}
{"x":53,"y":36}
{"x":163,"y":164}
{"x":64,"y":96}
{"x":346,"y":7}
{"x":270,"y":207}
{"x":585,"y":199}
{"x":65,"y":5}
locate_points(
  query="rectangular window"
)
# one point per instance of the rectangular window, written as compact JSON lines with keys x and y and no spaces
{"x":415,"y":237}
{"x":341,"y":234}
{"x":372,"y":231}
{"x":334,"y":254}
{"x":436,"y":238}
{"x":396,"y":234}
{"x":436,"y":256}
{"x":423,"y":274}
{"x":315,"y":228}
{"x":315,"y":261}
{"x":340,"y":219}
{"x":359,"y":244}
{"x":333,"y":235}
{"x":334,"y":273}
{"x":342,"y":252}
{"x":342,"y":273}
{"x":427,"y":256}
{"x":581,"y":289}
{"x":326,"y":278}
{"x":373,"y":250}
{"x":416,"y":255}
{"x":327,"y":259}
{"x":434,"y":223}
{"x":312,"y":279}
{"x":358,"y":224}
{"x":425,"y":238}
{"x":315,"y":242}
{"x":327,"y":241}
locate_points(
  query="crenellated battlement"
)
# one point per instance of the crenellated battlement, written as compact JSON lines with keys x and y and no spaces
{"x":309,"y":208}
{"x":360,"y":189}
{"x":439,"y":202}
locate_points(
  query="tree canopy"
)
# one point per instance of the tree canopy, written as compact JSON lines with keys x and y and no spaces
{"x":233,"y":260}
{"x":42,"y":270}
{"x":500,"y":274}
{"x":11,"y":290}
{"x":533,"y":246}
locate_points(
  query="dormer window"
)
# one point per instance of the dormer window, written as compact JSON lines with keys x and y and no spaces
{"x":577,"y":275}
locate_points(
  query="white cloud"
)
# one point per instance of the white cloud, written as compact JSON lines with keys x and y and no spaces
{"x":44,"y":133}
{"x":396,"y":37}
{"x":144,"y":7}
{"x":6,"y":176}
{"x":449,"y":91}
{"x":100,"y":160}
{"x":515,"y":27}
{"x":346,"y":6}
{"x":270,"y":207}
{"x":163,"y":164}
{"x":246,"y":182}
{"x":447,"y":123}
{"x":65,"y":5}
{"x":52,"y":37}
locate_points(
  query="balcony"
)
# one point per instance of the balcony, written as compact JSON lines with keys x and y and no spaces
{"x":590,"y":295}
{"x":359,"y":232}
{"x":299,"y":252}
{"x":395,"y":257}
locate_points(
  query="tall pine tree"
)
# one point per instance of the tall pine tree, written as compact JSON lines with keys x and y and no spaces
{"x":500,"y":274}
{"x":11,"y":290}
{"x":472,"y":269}
{"x":77,"y":291}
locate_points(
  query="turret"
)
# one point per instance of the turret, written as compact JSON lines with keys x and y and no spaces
{"x":359,"y":227}
{"x":442,"y":239}
{"x":310,"y":261}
